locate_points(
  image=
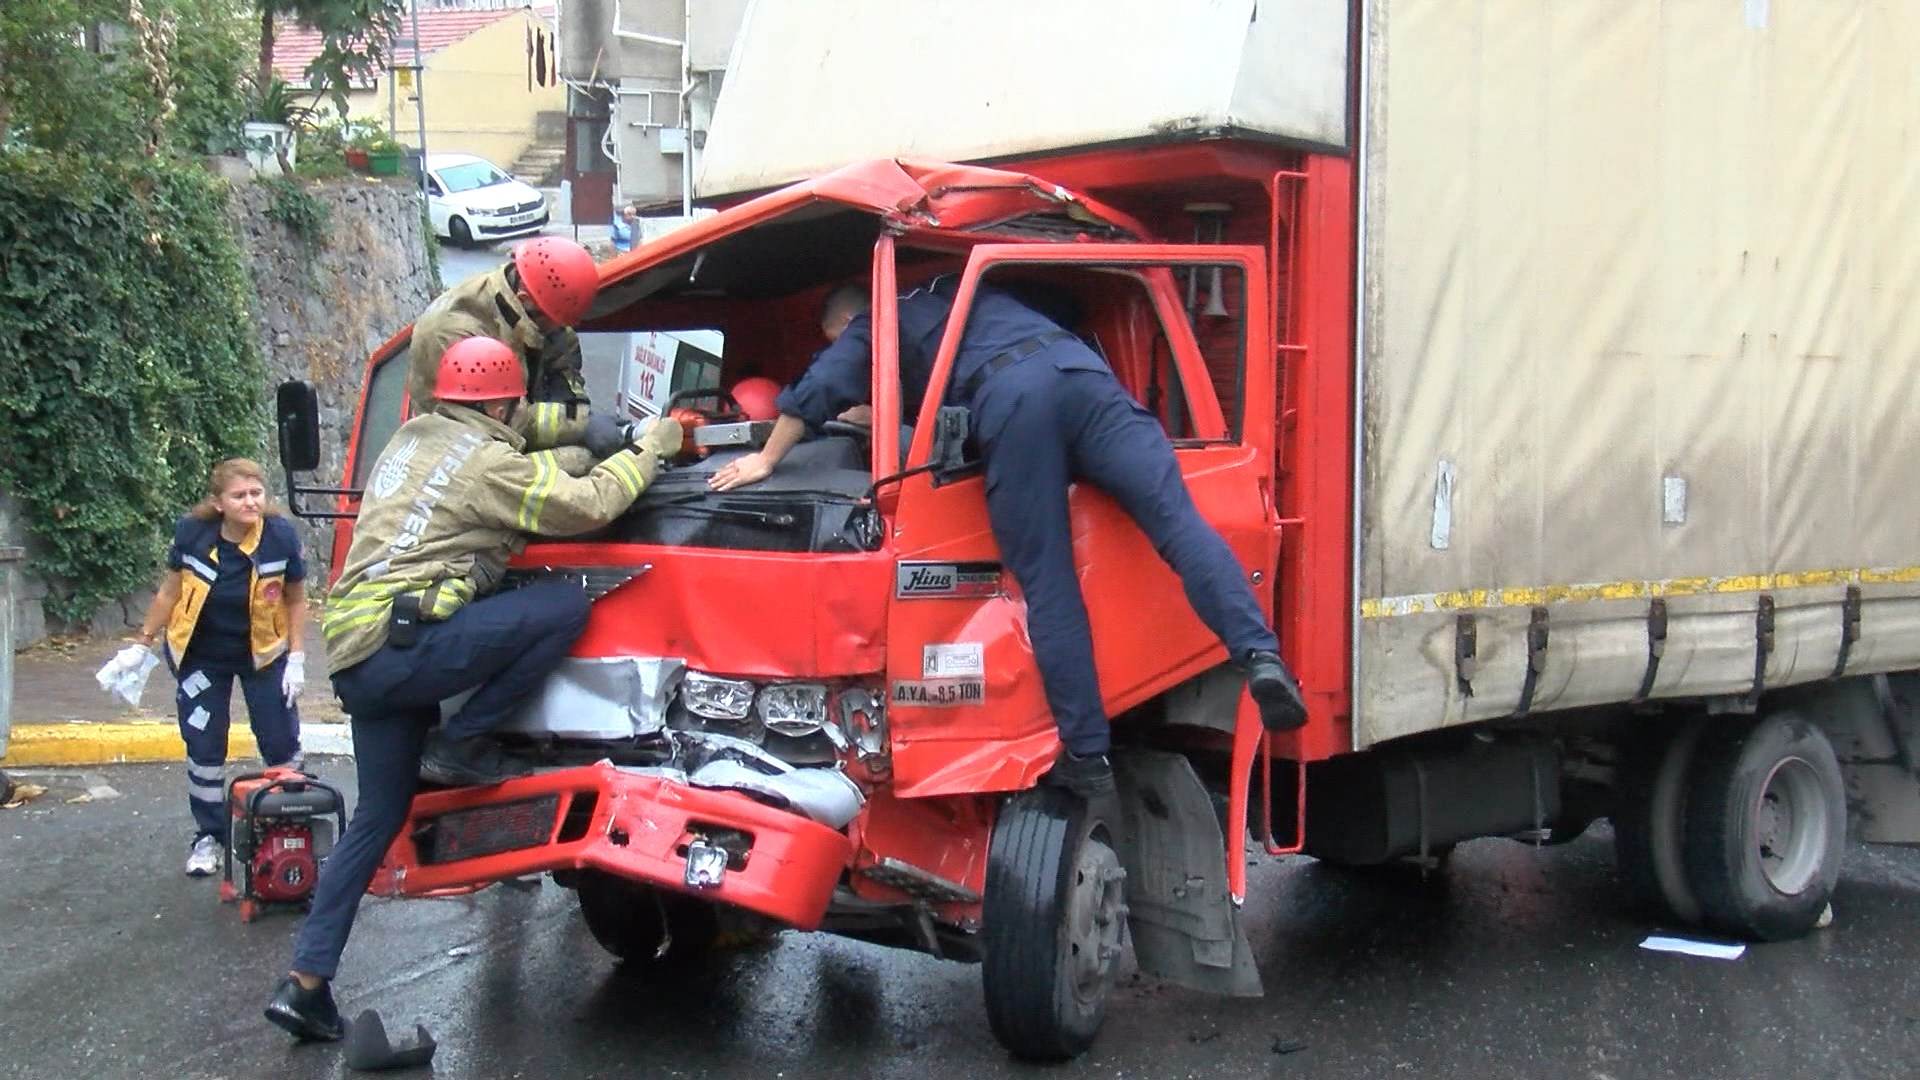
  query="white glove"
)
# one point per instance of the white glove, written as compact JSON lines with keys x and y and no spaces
{"x":125,"y":676}
{"x":294,"y":679}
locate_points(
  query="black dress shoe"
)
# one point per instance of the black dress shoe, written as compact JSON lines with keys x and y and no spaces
{"x":462,"y":763}
{"x":1089,"y":777}
{"x":305,"y":1014}
{"x":1275,"y":691}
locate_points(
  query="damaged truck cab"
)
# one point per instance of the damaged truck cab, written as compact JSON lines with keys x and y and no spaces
{"x":811,"y":703}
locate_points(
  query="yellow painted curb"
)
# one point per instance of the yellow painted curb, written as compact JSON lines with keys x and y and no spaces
{"x":107,"y":744}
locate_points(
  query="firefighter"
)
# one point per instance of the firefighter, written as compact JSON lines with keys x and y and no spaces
{"x":531,"y":302}
{"x":414,"y":619}
{"x":1047,"y":411}
{"x":232,"y":608}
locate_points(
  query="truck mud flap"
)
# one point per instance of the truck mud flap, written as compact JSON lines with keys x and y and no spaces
{"x":1186,"y":929}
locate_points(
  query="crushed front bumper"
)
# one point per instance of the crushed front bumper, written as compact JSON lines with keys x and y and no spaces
{"x":638,"y":825}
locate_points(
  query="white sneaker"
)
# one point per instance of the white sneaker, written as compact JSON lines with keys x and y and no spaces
{"x":204,"y":859}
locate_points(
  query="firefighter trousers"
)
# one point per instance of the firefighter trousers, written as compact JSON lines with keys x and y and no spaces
{"x":505,"y":645}
{"x":1040,"y":428}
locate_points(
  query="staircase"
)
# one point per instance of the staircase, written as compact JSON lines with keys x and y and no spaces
{"x":539,"y":165}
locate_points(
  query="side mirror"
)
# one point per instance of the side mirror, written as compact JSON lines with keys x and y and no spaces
{"x":297,"y":418}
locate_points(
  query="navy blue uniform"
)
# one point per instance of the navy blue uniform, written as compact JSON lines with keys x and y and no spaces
{"x":1047,"y":411}
{"x":505,"y":645}
{"x":220,"y":652}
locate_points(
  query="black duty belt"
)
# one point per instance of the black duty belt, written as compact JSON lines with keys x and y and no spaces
{"x":1020,"y":351}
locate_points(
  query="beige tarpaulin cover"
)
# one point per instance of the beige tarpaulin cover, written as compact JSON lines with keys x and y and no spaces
{"x":1640,"y":284}
{"x":818,"y":83}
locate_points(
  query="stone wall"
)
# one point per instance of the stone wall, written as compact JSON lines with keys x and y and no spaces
{"x":322,"y":308}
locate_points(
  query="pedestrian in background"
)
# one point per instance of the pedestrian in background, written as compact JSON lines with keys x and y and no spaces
{"x":231,"y":607}
{"x":626,"y":225}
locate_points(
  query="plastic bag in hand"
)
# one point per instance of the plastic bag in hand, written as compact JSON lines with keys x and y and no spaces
{"x":125,"y":676}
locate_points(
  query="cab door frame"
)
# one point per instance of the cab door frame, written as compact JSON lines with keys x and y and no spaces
{"x":950,"y":746}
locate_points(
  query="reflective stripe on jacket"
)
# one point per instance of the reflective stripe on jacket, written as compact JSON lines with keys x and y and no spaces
{"x":272,"y":544}
{"x":450,"y":500}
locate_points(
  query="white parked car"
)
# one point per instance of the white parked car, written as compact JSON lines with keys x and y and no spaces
{"x":471,"y":200}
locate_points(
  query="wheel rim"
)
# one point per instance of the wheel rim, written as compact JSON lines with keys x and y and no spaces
{"x":1791,"y":826}
{"x":1096,"y":919}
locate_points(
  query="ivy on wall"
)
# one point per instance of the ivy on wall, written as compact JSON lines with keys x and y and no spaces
{"x":128,"y":364}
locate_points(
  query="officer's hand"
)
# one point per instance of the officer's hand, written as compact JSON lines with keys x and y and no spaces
{"x":859,"y":414}
{"x":663,"y":437}
{"x":605,"y":435}
{"x":741,"y":471}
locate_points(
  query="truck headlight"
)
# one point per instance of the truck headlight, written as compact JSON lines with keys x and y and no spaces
{"x":794,"y":709}
{"x":716,"y":698}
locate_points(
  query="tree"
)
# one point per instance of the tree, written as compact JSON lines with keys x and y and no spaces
{"x":355,"y":39}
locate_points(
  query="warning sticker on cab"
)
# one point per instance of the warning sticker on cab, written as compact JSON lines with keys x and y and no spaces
{"x":953,"y":660}
{"x":939,"y":693}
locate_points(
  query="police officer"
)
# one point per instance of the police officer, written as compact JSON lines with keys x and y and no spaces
{"x":1046,"y":411}
{"x":414,"y":620}
{"x":531,"y":302}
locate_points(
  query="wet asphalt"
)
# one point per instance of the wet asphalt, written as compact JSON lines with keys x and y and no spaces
{"x":1513,"y":962}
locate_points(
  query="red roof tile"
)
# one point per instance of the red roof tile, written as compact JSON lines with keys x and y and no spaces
{"x":295,"y":46}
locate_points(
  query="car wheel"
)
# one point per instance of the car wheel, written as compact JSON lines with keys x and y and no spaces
{"x":1055,"y":922}
{"x":459,"y":232}
{"x":1766,"y":826}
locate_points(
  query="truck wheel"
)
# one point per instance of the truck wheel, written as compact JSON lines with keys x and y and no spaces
{"x":1054,"y":924}
{"x":1766,"y":826}
{"x":1648,"y":815}
{"x":6,"y":788}
{"x":631,"y":920}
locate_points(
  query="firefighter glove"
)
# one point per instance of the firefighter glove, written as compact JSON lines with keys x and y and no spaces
{"x":662,"y":437}
{"x":294,"y":679}
{"x":605,"y":435}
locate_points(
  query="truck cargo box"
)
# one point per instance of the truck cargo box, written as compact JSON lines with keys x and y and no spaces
{"x":1634,"y":345}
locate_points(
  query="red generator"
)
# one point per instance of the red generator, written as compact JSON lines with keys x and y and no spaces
{"x":281,"y":823}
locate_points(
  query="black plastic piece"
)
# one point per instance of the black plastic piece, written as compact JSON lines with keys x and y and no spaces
{"x":369,"y":1049}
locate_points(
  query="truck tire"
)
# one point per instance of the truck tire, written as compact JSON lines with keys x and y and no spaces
{"x":1054,"y":917}
{"x":1649,"y":816}
{"x":631,"y":920}
{"x":1766,"y":826}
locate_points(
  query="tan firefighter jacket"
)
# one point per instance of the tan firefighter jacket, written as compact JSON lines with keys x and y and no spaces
{"x":487,"y":307}
{"x":449,"y":501}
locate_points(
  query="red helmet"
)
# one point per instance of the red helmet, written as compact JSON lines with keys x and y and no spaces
{"x":559,"y":275}
{"x":756,"y":398}
{"x":480,"y":369}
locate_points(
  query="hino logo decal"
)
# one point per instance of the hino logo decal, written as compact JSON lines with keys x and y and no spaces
{"x":917,"y":580}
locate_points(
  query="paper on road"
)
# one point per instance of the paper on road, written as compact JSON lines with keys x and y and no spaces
{"x":1712,"y":950}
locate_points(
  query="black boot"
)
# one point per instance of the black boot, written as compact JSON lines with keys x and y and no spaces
{"x":1275,"y":691}
{"x":462,"y":762}
{"x":305,"y":1014}
{"x":1089,"y":777}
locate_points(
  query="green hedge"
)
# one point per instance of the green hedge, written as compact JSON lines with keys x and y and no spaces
{"x":128,"y":363}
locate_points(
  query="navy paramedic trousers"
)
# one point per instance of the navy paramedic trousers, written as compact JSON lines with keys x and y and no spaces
{"x":1049,"y":420}
{"x":506,"y":645}
{"x":205,"y":703}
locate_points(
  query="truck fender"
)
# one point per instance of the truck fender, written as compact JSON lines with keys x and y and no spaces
{"x":1186,"y":928}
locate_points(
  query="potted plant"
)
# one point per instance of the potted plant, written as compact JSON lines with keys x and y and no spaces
{"x":383,"y":154}
{"x":270,"y":129}
{"x":359,"y":136}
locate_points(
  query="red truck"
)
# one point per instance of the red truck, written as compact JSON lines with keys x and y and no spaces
{"x":811,"y":703}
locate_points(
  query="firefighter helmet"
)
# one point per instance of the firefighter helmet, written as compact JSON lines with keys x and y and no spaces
{"x":480,"y":369}
{"x":756,"y":397}
{"x":560,"y":277}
